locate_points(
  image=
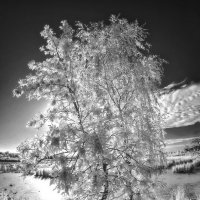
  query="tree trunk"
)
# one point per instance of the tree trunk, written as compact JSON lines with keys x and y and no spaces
{"x":105,"y":192}
{"x":131,"y":196}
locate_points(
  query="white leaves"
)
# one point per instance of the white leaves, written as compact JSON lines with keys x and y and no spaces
{"x":99,"y":84}
{"x":17,"y":92}
{"x":46,"y":32}
{"x":32,"y":65}
{"x":32,"y":123}
{"x":67,"y":30}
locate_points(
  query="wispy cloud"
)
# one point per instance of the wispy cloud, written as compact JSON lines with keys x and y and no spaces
{"x":180,"y":105}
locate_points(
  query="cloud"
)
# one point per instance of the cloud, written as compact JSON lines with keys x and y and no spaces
{"x":180,"y":105}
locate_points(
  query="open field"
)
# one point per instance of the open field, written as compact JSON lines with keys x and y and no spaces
{"x":13,"y":186}
{"x":16,"y":187}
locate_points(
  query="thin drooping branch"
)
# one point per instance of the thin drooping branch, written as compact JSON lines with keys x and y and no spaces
{"x":106,"y":184}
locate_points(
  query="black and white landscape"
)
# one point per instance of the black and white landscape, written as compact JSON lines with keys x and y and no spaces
{"x":109,"y":103}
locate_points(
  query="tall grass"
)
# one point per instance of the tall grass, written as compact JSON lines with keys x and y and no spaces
{"x":43,"y":173}
{"x":188,"y":167}
{"x":6,"y":168}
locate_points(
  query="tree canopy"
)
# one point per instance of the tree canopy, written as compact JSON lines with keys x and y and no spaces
{"x":105,"y":134}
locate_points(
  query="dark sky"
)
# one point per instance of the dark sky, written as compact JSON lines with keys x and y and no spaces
{"x":174,"y":32}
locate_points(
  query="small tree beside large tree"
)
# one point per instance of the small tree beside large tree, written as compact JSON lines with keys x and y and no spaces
{"x":105,"y":134}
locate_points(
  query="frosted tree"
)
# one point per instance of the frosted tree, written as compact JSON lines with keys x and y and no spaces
{"x":105,"y":136}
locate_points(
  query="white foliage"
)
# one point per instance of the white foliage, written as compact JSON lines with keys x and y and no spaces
{"x":105,"y":134}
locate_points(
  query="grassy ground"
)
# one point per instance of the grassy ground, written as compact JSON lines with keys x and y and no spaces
{"x":189,"y":182}
{"x":14,"y":187}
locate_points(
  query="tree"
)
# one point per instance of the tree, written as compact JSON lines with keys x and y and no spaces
{"x":104,"y":134}
{"x":194,"y":146}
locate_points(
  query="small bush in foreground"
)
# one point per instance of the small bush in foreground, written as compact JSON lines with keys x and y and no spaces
{"x":179,"y":194}
{"x":185,"y":192}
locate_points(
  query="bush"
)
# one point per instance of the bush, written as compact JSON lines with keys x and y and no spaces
{"x":5,"y":168}
{"x":172,"y":163}
{"x":43,"y":173}
{"x":183,"y":168}
{"x":196,"y":163}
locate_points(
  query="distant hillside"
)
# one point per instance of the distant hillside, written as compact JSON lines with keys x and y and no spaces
{"x":9,"y":157}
